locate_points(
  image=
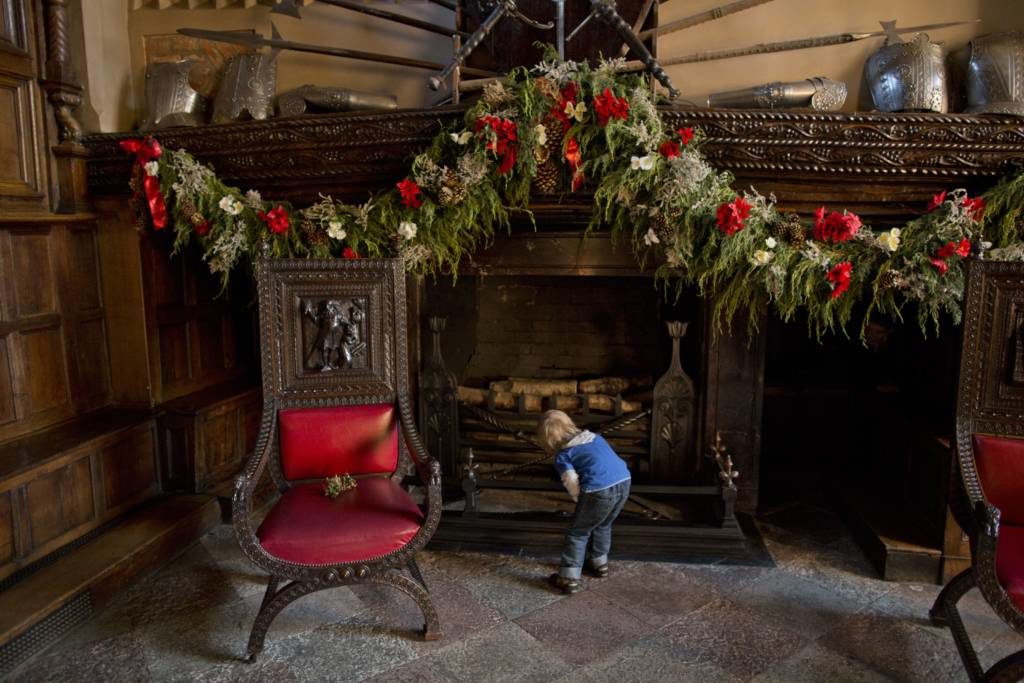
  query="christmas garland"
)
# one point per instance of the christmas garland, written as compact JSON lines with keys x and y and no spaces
{"x":652,"y":187}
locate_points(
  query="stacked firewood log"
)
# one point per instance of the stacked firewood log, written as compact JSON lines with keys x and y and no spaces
{"x":531,"y":395}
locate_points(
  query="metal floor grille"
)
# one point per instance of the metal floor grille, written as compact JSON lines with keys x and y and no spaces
{"x":48,"y":631}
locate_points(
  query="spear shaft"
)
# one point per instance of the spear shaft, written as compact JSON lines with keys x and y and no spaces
{"x":702,"y":17}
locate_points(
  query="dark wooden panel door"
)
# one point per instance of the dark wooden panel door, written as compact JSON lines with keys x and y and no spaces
{"x":22,"y":132}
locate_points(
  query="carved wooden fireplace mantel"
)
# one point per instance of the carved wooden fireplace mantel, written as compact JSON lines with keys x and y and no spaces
{"x":883,"y":166}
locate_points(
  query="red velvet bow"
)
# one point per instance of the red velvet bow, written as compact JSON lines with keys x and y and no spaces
{"x":146,"y":150}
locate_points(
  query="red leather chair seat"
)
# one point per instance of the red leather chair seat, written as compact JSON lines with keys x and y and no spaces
{"x":1010,"y":561}
{"x":307,"y":527}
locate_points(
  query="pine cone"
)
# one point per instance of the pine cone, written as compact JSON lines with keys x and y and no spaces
{"x":791,"y":230}
{"x":314,"y":234}
{"x":187,"y":208}
{"x":662,"y":229}
{"x":495,"y":94}
{"x":891,"y":279}
{"x":452,"y":190}
{"x":548,"y":179}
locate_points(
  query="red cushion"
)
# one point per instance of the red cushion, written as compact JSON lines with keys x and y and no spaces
{"x":371,"y":520}
{"x":321,"y":442}
{"x":1010,"y":561}
{"x":1000,"y":463}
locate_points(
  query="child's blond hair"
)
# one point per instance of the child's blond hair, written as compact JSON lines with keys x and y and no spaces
{"x":555,"y":429}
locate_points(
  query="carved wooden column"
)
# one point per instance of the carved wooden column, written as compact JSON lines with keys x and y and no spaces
{"x":64,"y":89}
{"x":439,"y":409}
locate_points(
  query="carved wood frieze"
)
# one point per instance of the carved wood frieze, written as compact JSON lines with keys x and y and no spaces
{"x":877,"y":163}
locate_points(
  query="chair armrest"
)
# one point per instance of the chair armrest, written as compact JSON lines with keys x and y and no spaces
{"x":246,"y":482}
{"x":986,"y":517}
{"x":427,"y":467}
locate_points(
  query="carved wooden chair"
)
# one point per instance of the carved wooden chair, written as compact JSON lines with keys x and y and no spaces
{"x":335,"y":397}
{"x":990,"y":449}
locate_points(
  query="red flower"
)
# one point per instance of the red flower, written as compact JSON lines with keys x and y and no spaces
{"x":835,"y":227}
{"x":503,"y":135}
{"x":203,"y":228}
{"x":608,"y":106}
{"x":410,"y":193}
{"x":950,"y":249}
{"x":685,"y":135}
{"x":940,"y":265}
{"x":276,"y":219}
{"x":574,"y":157}
{"x":568,"y":94}
{"x":963,"y":249}
{"x":937,"y":201}
{"x":976,"y":206}
{"x":669,"y":149}
{"x":731,"y":215}
{"x":349,"y":252}
{"x":946,"y":250}
{"x":839,"y":276}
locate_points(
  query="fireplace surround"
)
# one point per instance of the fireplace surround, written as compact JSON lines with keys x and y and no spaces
{"x":882,"y":166}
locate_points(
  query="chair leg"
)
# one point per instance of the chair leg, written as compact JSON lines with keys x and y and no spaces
{"x":414,"y":569}
{"x":944,"y":611}
{"x":1009,"y":669}
{"x":431,"y":623}
{"x":273,"y":602}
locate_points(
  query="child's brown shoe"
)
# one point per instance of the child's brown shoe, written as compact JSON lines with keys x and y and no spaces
{"x":600,"y":572}
{"x":567,"y":586}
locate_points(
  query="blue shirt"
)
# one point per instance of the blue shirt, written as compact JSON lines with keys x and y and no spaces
{"x":596,"y":464}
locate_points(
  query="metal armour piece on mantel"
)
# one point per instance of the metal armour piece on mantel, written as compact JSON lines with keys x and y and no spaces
{"x":247,"y":88}
{"x":325,"y":98}
{"x":908,"y":76}
{"x":170,"y":100}
{"x":995,"y":74}
{"x":672,"y":421}
{"x":817,"y":93}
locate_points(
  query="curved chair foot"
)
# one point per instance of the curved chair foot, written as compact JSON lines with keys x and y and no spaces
{"x":1009,"y":669}
{"x":272,"y":606}
{"x":950,"y":596}
{"x":432,"y":625}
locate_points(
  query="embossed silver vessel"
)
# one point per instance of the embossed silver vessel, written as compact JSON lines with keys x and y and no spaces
{"x":908,"y":76}
{"x":818,"y":93}
{"x":995,"y":74}
{"x":247,"y":88}
{"x":170,"y":100}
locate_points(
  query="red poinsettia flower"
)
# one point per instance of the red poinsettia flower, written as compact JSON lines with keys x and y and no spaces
{"x":203,"y":228}
{"x":669,"y":149}
{"x":567,"y":94}
{"x":976,"y":207}
{"x":950,"y":249}
{"x":607,"y":106}
{"x":685,"y":135}
{"x":502,"y":139}
{"x":276,"y":219}
{"x":946,"y":250}
{"x":731,"y":215}
{"x":937,"y":200}
{"x":349,"y":252}
{"x":839,"y":276}
{"x":835,"y":227}
{"x":963,"y":250}
{"x":410,"y":192}
{"x":940,"y":265}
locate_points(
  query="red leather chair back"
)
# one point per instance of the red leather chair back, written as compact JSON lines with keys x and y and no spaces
{"x":1000,"y":464}
{"x":321,"y":442}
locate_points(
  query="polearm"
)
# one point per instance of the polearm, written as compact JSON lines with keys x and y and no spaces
{"x":786,"y":45}
{"x":606,"y":12}
{"x":251,"y":40}
{"x":363,"y":8}
{"x":702,"y":17}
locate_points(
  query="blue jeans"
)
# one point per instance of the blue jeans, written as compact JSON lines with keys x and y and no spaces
{"x":592,"y":522}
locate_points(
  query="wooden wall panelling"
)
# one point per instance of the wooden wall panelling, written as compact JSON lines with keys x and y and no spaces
{"x":129,"y":470}
{"x":23,"y":178}
{"x":84,"y":314}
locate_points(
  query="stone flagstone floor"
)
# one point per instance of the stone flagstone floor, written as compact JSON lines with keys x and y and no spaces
{"x":818,"y":615}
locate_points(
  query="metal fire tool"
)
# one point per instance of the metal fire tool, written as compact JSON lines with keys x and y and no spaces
{"x":501,"y":9}
{"x":256,"y":41}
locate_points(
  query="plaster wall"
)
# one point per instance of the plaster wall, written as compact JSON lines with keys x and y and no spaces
{"x":116,"y":65}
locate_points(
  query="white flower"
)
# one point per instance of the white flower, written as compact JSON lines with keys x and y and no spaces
{"x":407,"y":229}
{"x":762,"y":257}
{"x":541,"y":133}
{"x":253,"y":199}
{"x":645,"y":163}
{"x":651,"y":237}
{"x":230,"y":205}
{"x":890,"y":241}
{"x":771,"y":242}
{"x":335,"y":232}
{"x":460,"y":138}
{"x":576,"y":111}
{"x":152,"y":168}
